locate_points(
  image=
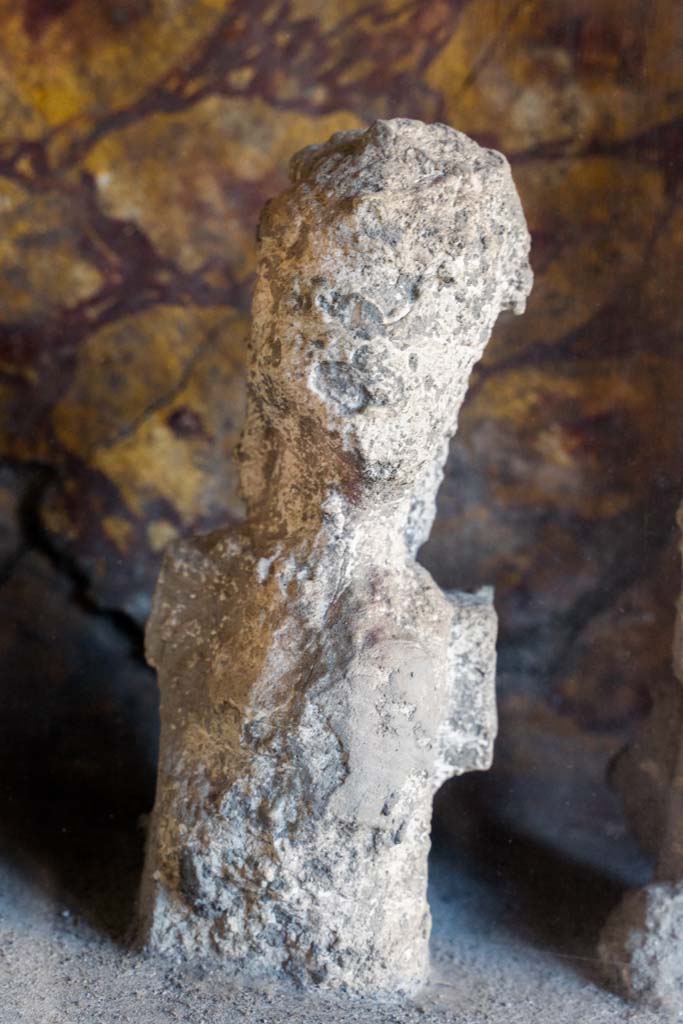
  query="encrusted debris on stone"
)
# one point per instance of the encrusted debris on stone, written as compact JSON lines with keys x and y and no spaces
{"x":316,"y":685}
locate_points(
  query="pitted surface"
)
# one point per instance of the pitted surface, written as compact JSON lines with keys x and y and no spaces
{"x":316,"y":685}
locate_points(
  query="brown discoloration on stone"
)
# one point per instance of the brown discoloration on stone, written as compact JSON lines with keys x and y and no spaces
{"x":317,"y":686}
{"x":587,"y":99}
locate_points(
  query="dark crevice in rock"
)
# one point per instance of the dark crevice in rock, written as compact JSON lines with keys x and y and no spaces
{"x":38,"y":539}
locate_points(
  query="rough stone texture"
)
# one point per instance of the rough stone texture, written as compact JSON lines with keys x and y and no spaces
{"x":641,"y":947}
{"x":500,"y":954}
{"x":138,"y":141}
{"x":316,"y":686}
{"x":642,"y":943}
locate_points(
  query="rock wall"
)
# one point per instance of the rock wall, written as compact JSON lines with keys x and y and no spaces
{"x":640,"y":944}
{"x":139,"y":140}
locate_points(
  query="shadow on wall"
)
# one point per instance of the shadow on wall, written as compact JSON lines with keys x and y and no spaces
{"x":78,"y":734}
{"x":572,"y":518}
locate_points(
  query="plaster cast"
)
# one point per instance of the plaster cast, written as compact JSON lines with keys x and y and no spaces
{"x":316,"y":685}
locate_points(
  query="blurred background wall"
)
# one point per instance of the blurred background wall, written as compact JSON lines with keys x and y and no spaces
{"x":139,"y":140}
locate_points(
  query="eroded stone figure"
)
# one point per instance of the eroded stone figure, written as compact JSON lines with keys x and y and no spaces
{"x":641,"y":946}
{"x":316,"y":685}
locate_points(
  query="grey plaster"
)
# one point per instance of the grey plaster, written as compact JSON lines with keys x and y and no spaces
{"x":316,"y":685}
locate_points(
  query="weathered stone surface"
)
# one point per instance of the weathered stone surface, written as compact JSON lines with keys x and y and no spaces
{"x":316,"y":685}
{"x":641,"y":946}
{"x":139,"y":139}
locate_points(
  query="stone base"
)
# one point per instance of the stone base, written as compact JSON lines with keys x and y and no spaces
{"x":641,"y":947}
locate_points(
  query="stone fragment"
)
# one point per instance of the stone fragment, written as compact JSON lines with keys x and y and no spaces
{"x":641,"y":946}
{"x":316,"y":685}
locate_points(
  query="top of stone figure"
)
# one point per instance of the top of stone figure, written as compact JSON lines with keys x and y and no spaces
{"x":382,"y":270}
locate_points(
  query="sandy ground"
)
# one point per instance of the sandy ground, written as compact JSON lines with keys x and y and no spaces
{"x":512,"y":942}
